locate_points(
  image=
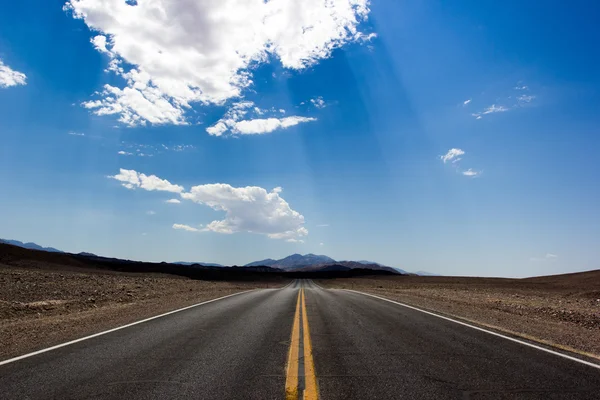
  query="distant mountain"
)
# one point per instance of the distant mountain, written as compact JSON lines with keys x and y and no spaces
{"x":348,"y":265}
{"x":30,"y":245}
{"x":293,"y":262}
{"x":267,"y":263}
{"x":381,"y":265}
{"x":425,"y":273}
{"x":86,"y":254}
{"x":198,"y":263}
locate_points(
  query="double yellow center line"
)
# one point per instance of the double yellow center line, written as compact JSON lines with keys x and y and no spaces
{"x":301,"y":382}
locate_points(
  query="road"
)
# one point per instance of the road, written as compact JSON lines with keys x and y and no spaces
{"x":298,"y":340}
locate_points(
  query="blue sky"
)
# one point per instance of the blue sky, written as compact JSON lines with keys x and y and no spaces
{"x":459,"y":138}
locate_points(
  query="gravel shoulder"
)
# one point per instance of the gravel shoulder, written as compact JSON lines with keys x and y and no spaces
{"x":561,"y":311}
{"x":44,"y":307}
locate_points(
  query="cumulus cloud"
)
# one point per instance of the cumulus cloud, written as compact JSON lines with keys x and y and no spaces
{"x":186,"y":228}
{"x":466,"y":102}
{"x":132,"y":179}
{"x":173,"y":201}
{"x":249,"y":209}
{"x":9,"y":77}
{"x":451,"y":155}
{"x":232,"y":121}
{"x":175,"y":53}
{"x":124,"y":153}
{"x":318,"y":102}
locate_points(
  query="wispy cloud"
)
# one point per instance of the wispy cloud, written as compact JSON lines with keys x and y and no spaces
{"x":233,"y":123}
{"x":490,"y":110}
{"x":173,"y":201}
{"x":72,"y":133}
{"x":466,"y":102}
{"x":454,"y":156}
{"x":10,"y":77}
{"x":524,"y":98}
{"x":318,"y":102}
{"x":451,"y":154}
{"x":151,"y":212}
{"x":124,"y":153}
{"x":186,"y":227}
{"x":547,"y":257}
{"x":510,"y":101}
{"x":472,"y":173}
{"x":323,"y":225}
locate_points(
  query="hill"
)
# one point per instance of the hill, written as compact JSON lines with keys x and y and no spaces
{"x":203,"y":264}
{"x":293,"y":262}
{"x":30,"y":245}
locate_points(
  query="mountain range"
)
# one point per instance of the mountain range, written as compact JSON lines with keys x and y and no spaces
{"x":30,"y":245}
{"x":294,"y":262}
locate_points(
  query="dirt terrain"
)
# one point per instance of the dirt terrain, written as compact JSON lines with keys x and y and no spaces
{"x":45,"y":303}
{"x":562,"y":310}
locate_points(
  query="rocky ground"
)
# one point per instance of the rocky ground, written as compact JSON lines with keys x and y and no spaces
{"x":44,"y":307}
{"x":562,"y":311}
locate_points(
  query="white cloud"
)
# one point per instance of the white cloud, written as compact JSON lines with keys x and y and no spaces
{"x":231,"y":121}
{"x":547,"y":257}
{"x":323,"y":225}
{"x":466,"y":102}
{"x":318,"y":102}
{"x":249,"y":209}
{"x":261,"y":126}
{"x":321,"y":244}
{"x":124,"y":153}
{"x":523,"y":87}
{"x":470,"y":172}
{"x":173,"y":201}
{"x":132,"y":179}
{"x":524,"y":98}
{"x":10,"y":77}
{"x":186,"y":228}
{"x":72,"y":133}
{"x":490,"y":110}
{"x":151,"y":212}
{"x":184,"y":52}
{"x":451,"y":154}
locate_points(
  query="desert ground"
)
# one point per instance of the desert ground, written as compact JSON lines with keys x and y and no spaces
{"x":44,"y":302}
{"x":561,"y":311}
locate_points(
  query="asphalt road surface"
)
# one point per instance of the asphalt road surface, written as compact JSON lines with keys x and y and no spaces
{"x":327,"y":344}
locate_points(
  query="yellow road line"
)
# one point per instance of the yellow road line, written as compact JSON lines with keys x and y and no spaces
{"x":295,"y":359}
{"x":310,"y":390}
{"x":291,"y":382}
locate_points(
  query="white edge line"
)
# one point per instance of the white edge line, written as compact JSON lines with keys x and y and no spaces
{"x":556,"y":353}
{"x":58,"y":346}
